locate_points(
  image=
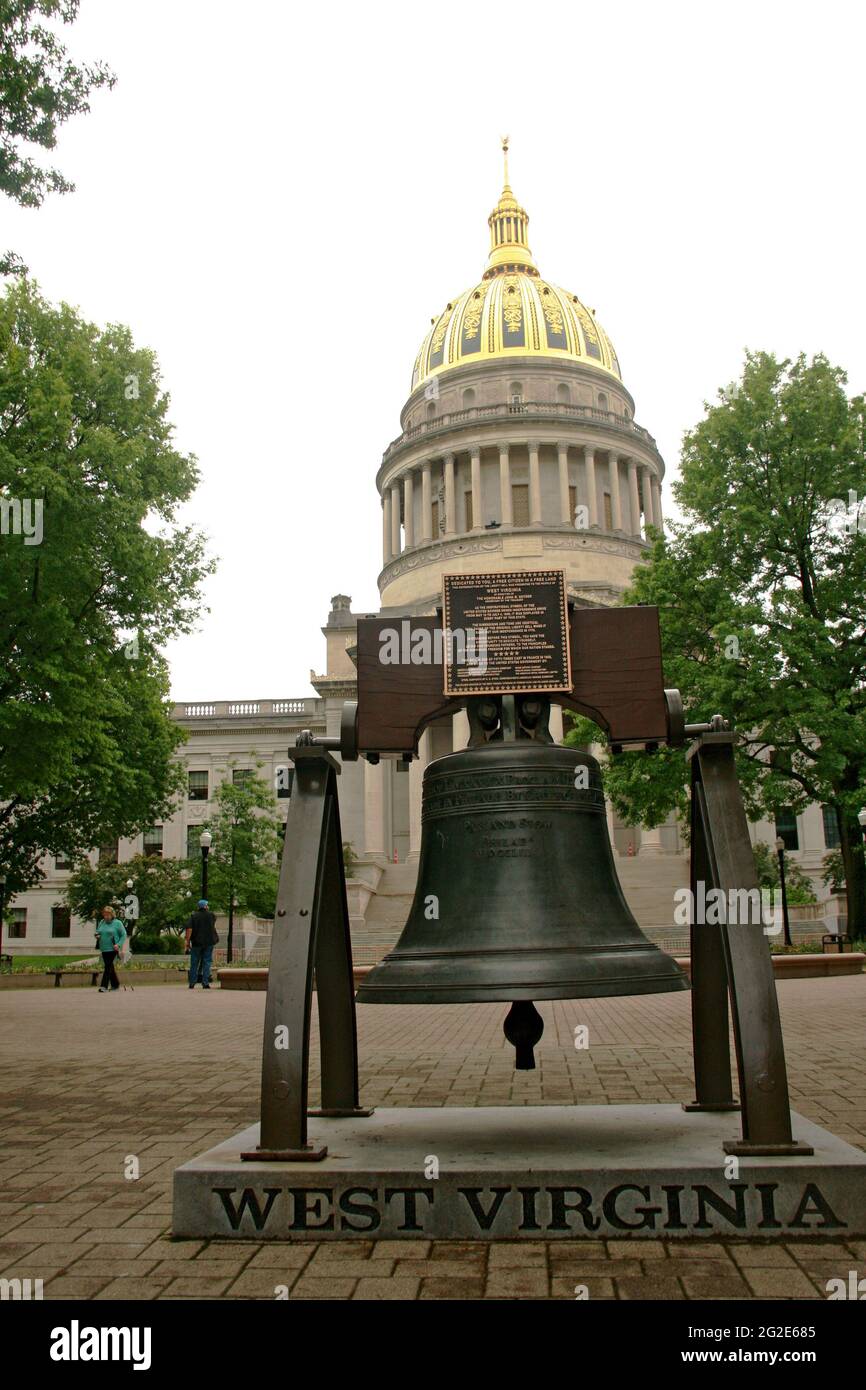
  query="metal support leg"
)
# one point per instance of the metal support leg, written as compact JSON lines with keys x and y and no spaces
{"x":712,"y":1052}
{"x":723,"y":850}
{"x":311,"y":928}
{"x":335,"y":987}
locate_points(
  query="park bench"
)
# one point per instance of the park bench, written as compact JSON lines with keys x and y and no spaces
{"x":94,"y":975}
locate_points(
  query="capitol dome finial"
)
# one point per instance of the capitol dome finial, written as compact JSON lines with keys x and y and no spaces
{"x":509,"y":249}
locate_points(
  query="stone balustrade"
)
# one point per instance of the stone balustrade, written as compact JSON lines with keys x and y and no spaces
{"x":246,"y":709}
{"x":544,"y":410}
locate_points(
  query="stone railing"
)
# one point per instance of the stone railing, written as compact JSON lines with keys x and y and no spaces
{"x":526,"y":410}
{"x":246,"y":709}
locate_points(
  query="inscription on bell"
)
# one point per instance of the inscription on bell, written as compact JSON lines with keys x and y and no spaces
{"x":518,"y":837}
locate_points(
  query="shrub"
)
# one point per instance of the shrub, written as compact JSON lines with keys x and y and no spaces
{"x":833,"y":871}
{"x":144,"y":945}
{"x":798,"y":886}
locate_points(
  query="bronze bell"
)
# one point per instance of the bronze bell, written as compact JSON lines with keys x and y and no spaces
{"x":517,"y":895}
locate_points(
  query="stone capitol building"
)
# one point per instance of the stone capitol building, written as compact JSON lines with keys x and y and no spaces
{"x":519,"y":449}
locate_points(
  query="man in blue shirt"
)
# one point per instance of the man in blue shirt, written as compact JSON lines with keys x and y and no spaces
{"x":110,"y":936}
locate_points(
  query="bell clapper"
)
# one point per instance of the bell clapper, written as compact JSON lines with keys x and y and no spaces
{"x":523,"y":1028}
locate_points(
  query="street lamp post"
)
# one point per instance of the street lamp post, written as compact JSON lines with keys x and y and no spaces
{"x":780,"y":850}
{"x":2,"y":907}
{"x":205,"y":844}
{"x":861,"y":821}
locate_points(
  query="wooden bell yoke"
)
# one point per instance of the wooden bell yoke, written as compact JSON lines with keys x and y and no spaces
{"x":616,"y":680}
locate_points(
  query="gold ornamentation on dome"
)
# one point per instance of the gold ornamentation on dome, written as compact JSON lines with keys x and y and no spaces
{"x":552,"y":310}
{"x":512,"y":304}
{"x":586,"y":323}
{"x":472,"y":315}
{"x":440,"y":331}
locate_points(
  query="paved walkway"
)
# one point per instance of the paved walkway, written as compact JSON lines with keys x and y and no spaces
{"x":92,"y":1082}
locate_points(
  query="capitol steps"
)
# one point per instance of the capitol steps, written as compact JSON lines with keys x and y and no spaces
{"x":386,"y":914}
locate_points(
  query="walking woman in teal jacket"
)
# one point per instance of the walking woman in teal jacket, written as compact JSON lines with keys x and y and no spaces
{"x":110,"y":936}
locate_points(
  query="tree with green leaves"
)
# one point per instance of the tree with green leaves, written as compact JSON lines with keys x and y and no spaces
{"x":40,"y":88}
{"x":243,"y":864}
{"x":96,"y":574}
{"x":798,"y":885}
{"x":161,"y":897}
{"x":762,"y":598}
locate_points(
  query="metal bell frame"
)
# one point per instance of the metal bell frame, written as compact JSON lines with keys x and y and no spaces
{"x":311,"y":937}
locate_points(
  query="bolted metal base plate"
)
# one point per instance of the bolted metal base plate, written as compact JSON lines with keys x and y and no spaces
{"x":305,"y":1155}
{"x":359,"y":1112}
{"x":747,"y":1150}
{"x":694,"y":1107}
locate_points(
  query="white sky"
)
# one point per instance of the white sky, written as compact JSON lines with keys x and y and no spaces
{"x":277,"y":201}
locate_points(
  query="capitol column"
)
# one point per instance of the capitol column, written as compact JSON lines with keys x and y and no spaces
{"x":374,"y":811}
{"x":634,"y":500}
{"x":615,"y":499}
{"x":657,"y":500}
{"x":416,"y":778}
{"x":409,"y":509}
{"x":534,"y":484}
{"x":646,"y":491}
{"x":477,"y":510}
{"x":591,"y":485}
{"x":426,"y":501}
{"x":564,"y":503}
{"x":651,"y":841}
{"x":450,"y":497}
{"x":459,"y":731}
{"x":386,"y":527}
{"x":505,"y":486}
{"x":395,"y":520}
{"x":555,"y":725}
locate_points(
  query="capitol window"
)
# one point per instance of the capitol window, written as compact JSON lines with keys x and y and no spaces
{"x":16,"y":923}
{"x":786,"y":829}
{"x":152,"y":842}
{"x":197,"y":786}
{"x":832,"y":839}
{"x":468,"y":398}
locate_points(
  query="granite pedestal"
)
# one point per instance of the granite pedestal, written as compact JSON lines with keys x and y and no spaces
{"x":525,"y":1172}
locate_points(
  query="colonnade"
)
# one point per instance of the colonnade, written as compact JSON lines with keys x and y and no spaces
{"x":633,"y":487}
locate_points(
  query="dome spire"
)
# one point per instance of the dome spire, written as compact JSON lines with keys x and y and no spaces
{"x":509,"y":249}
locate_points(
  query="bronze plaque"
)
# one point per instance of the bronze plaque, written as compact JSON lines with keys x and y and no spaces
{"x":506,"y":634}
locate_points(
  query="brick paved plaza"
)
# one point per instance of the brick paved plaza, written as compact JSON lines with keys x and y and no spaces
{"x":163,"y":1074}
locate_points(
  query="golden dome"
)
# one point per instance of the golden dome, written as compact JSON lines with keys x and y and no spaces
{"x":512,"y":312}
